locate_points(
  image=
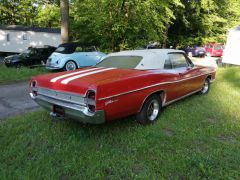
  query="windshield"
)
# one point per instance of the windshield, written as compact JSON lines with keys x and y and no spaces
{"x":124,"y":62}
{"x":218,"y":47}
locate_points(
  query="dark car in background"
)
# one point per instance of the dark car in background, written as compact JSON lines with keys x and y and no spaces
{"x":30,"y":57}
{"x":195,"y":51}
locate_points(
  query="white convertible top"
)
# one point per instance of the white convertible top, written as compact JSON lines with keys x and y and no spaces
{"x":151,"y":58}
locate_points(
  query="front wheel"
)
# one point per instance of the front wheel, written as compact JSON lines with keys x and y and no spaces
{"x":150,"y":110}
{"x":206,"y":86}
{"x":70,"y":65}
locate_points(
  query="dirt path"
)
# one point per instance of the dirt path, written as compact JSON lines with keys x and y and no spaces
{"x":15,"y":99}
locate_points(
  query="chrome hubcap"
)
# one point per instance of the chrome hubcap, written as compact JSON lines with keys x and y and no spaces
{"x":70,"y":66}
{"x":205,"y":87}
{"x":153,"y":110}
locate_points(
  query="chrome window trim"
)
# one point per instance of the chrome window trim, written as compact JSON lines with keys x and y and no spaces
{"x":153,"y":85}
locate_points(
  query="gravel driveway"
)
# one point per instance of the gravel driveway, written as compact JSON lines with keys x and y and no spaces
{"x":15,"y":99}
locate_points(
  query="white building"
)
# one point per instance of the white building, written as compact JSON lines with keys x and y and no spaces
{"x":232,"y":48}
{"x":14,"y":39}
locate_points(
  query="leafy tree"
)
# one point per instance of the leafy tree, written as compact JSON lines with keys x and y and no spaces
{"x":48,"y":15}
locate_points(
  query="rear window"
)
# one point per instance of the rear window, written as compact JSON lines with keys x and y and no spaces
{"x":124,"y":62}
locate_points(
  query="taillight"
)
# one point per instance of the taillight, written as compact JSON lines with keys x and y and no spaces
{"x":33,"y":84}
{"x":90,"y":101}
{"x":34,"y":88}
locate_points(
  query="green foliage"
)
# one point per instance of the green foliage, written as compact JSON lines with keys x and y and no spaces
{"x":125,"y":24}
{"x":204,"y":21}
{"x":48,"y":15}
{"x":8,"y":75}
{"x":121,"y":24}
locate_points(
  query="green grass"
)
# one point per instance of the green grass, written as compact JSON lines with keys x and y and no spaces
{"x":14,"y":74}
{"x":195,"y":138}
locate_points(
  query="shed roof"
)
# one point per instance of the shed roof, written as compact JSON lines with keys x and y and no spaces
{"x":30,"y":28}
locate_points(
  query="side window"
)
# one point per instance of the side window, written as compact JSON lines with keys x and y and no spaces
{"x":45,"y":51}
{"x":178,"y":60}
{"x":24,"y":37}
{"x":90,"y":49}
{"x":8,"y":37}
{"x":79,"y":49}
{"x":167,"y":64}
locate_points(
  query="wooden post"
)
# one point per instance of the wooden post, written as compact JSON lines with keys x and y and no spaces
{"x":64,"y":11}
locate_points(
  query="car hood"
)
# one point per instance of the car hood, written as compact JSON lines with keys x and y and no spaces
{"x":81,"y":80}
{"x":12,"y":57}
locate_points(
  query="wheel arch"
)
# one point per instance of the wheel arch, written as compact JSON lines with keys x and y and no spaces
{"x":160,"y":93}
{"x":209,"y":77}
{"x":71,"y":59}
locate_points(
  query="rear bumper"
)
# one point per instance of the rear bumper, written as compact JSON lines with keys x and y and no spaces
{"x":53,"y":67}
{"x":77,"y":112}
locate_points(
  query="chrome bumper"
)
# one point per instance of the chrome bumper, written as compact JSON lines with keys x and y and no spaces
{"x":74,"y":111}
{"x":53,"y":67}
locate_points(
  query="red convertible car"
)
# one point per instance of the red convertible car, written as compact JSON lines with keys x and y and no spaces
{"x":137,"y":82}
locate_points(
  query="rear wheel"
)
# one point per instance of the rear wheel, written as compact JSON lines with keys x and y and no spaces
{"x":206,"y":86}
{"x":70,"y":65}
{"x":150,"y":110}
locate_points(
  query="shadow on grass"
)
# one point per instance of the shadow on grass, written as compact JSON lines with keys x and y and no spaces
{"x":232,"y":75}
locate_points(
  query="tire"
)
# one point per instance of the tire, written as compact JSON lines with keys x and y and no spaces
{"x":206,"y":87}
{"x":70,"y":65}
{"x":150,"y":110}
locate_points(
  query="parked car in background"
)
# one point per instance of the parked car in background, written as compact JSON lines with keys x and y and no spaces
{"x":138,"y":82}
{"x":151,"y":45}
{"x":214,"y":49}
{"x":70,"y":56}
{"x":195,"y":51}
{"x":30,"y":57}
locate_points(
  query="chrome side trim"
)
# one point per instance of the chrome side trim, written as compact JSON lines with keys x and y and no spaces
{"x":189,"y":94}
{"x":153,"y":85}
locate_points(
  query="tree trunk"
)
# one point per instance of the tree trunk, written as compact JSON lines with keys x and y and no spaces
{"x":165,"y":36}
{"x":64,"y":11}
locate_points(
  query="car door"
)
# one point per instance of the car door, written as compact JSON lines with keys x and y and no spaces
{"x":91,"y":55}
{"x":80,"y":56}
{"x":187,"y":73}
{"x":44,"y":55}
{"x":32,"y":56}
